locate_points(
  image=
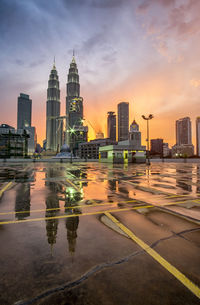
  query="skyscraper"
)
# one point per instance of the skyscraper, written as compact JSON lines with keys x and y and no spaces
{"x":76,"y":132}
{"x":198,"y":135}
{"x":183,"y":131}
{"x":24,"y":111}
{"x":123,"y":121}
{"x":111,"y":125}
{"x":53,"y":132}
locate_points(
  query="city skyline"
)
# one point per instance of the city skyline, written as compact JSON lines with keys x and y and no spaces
{"x":150,"y":66}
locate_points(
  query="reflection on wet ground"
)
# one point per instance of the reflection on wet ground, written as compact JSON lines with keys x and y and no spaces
{"x":76,"y":233}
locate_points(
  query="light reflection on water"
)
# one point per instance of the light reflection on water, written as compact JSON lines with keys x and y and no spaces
{"x":55,"y":248}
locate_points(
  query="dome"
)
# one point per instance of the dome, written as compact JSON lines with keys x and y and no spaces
{"x":65,"y":148}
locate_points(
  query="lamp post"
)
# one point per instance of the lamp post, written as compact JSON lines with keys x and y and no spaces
{"x":147,"y":119}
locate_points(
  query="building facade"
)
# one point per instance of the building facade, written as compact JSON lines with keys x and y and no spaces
{"x":183,"y":151}
{"x":157,"y":147}
{"x":53,"y":124}
{"x":90,"y":150}
{"x":198,"y":136}
{"x":13,"y":142}
{"x":135,"y":134}
{"x":111,"y":125}
{"x":123,"y":121}
{"x":166,"y":150}
{"x":183,"y":131}
{"x":24,"y":111}
{"x":76,"y":132}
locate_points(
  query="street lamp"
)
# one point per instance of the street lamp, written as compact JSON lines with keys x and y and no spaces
{"x":147,"y":119}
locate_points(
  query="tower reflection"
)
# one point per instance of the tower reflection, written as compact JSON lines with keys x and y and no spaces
{"x":73,"y":195}
{"x":52,"y":206}
{"x":22,"y":201}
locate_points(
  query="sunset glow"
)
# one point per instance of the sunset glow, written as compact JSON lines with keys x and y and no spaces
{"x":142,"y":52}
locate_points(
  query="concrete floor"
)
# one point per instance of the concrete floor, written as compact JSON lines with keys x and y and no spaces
{"x":90,"y":233}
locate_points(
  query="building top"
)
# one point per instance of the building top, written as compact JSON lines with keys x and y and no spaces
{"x":123,"y":103}
{"x":26,"y":96}
{"x":134,"y":126}
{"x":183,"y":119}
{"x":6,"y":126}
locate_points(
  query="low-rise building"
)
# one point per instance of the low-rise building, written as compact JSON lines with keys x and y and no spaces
{"x":90,"y":150}
{"x":13,"y":142}
{"x":166,"y":150}
{"x":122,"y":153}
{"x":184,"y":150}
{"x":157,"y":147}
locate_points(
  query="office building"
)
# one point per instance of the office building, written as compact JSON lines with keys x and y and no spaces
{"x":24,"y":111}
{"x":53,"y":124}
{"x":76,"y":132}
{"x":157,"y":147}
{"x":123,"y":121}
{"x":183,"y":131}
{"x":198,"y":136}
{"x":111,"y":125}
{"x":166,"y":150}
{"x":13,"y":142}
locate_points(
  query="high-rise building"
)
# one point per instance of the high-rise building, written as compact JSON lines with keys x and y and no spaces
{"x":183,"y":131}
{"x":53,"y":130}
{"x":24,"y":111}
{"x":198,"y":135}
{"x":123,"y":121}
{"x":76,"y":132}
{"x":111,"y":125}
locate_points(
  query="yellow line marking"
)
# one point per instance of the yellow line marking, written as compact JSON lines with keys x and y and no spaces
{"x":174,"y":271}
{"x":73,"y":215}
{"x":96,"y":205}
{"x":5,"y":188}
{"x":71,"y":207}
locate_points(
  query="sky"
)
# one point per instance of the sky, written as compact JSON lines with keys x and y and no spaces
{"x":145,"y":52}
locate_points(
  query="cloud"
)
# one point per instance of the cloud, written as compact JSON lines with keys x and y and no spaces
{"x":195,"y":82}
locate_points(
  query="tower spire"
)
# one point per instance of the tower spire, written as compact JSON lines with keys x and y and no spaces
{"x":73,"y":57}
{"x":54,"y":62}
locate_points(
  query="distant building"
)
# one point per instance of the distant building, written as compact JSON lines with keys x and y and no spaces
{"x":184,"y":150}
{"x":32,"y":140}
{"x":111,"y":125}
{"x":76,"y":132}
{"x":90,"y":150}
{"x":183,"y":147}
{"x":24,"y":111}
{"x":166,"y":150}
{"x":127,"y":151}
{"x":183,"y":131}
{"x":135,"y":134}
{"x":99,"y":135}
{"x":53,"y":130}
{"x":157,"y":147}
{"x":198,"y":136}
{"x":13,"y":143}
{"x":123,"y":121}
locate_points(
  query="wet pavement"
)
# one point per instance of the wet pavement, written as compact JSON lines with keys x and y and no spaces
{"x":90,"y":233}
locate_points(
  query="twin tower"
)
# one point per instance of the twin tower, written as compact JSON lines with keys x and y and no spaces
{"x":67,"y":129}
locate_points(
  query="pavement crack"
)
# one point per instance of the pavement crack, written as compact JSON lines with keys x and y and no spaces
{"x":98,"y":268}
